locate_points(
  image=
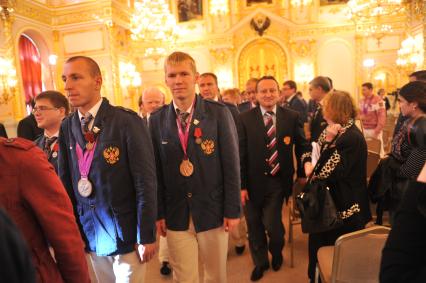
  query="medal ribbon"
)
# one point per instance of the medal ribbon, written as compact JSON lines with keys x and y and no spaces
{"x":183,"y":137}
{"x":84,"y":160}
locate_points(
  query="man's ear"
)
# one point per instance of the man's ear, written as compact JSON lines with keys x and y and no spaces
{"x":98,"y":81}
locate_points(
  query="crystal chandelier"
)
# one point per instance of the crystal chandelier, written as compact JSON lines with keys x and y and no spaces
{"x":373,"y":14}
{"x":411,"y":54}
{"x":153,"y":25}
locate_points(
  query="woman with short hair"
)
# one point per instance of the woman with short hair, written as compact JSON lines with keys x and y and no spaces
{"x":342,"y":165}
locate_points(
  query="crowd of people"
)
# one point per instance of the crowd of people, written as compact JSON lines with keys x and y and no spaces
{"x":95,"y":187}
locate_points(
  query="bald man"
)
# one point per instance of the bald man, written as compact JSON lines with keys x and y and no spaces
{"x":152,"y":99}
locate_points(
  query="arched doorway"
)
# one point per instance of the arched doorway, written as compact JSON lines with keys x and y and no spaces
{"x":31,"y":72}
{"x":259,"y":58}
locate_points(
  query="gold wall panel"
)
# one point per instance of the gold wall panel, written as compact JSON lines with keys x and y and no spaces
{"x":259,"y":58}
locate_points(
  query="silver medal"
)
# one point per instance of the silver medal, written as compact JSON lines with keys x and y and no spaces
{"x":84,"y":187}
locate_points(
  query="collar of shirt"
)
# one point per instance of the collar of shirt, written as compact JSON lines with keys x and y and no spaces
{"x":54,"y":135}
{"x":94,"y":110}
{"x":290,"y":98}
{"x":264,"y":110}
{"x":187,"y":110}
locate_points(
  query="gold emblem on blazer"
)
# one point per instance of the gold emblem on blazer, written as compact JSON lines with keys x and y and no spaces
{"x":207,"y":146}
{"x":287,"y":140}
{"x":111,"y":154}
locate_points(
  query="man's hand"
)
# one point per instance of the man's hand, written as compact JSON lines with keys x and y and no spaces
{"x":230,"y":223}
{"x":161,"y":227}
{"x":302,"y":181}
{"x":145,"y":252}
{"x":244,"y":196}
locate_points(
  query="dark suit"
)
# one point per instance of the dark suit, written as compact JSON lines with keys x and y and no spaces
{"x":245,"y":106}
{"x":266,"y":192}
{"x":3,"y":131}
{"x":121,"y":210}
{"x":212,"y":192}
{"x":298,"y":104}
{"x":27,"y":128}
{"x":317,"y":125}
{"x":53,"y":158}
{"x":403,"y":256}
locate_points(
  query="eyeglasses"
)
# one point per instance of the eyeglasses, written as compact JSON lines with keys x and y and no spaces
{"x":42,"y":109}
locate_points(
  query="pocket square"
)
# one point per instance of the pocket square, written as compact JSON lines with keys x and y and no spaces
{"x":164,"y":142}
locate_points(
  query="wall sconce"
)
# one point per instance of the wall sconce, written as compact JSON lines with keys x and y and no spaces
{"x":224,"y":77}
{"x":368,"y":63}
{"x":8,"y":80}
{"x":129,"y":77}
{"x":300,"y":3}
{"x":218,"y":7}
{"x":304,"y":72}
{"x":53,"y":59}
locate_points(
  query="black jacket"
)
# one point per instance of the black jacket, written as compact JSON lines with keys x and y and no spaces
{"x":253,"y":150}
{"x":404,"y":254}
{"x":27,"y":128}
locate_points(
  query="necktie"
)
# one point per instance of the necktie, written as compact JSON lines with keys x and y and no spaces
{"x":85,"y":122}
{"x":183,"y":117}
{"x":272,"y":143}
{"x":48,"y":145}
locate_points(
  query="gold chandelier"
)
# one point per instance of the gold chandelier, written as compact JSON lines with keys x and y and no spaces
{"x":411,"y":54}
{"x":153,"y":25}
{"x":373,"y":14}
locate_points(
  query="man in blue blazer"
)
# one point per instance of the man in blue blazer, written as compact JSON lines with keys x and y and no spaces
{"x":294,"y":101}
{"x":196,"y":149}
{"x":107,"y":165}
{"x":51,"y":107}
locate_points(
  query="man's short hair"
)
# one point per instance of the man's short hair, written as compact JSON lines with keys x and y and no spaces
{"x":321,"y":82}
{"x":93,"y":66}
{"x":368,"y":85}
{"x":56,"y":98}
{"x":267,"y":78}
{"x":177,"y":58}
{"x":203,"y":75}
{"x":252,"y":80}
{"x":291,"y":84}
{"x":419,"y":75}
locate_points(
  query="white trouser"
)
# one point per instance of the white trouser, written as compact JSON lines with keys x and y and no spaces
{"x":125,"y":268}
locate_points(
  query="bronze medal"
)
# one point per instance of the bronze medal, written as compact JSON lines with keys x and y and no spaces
{"x":84,"y":187}
{"x":89,"y":146}
{"x":186,"y":168}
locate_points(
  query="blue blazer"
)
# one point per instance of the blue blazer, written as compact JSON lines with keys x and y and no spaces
{"x":213,"y":190}
{"x":121,"y":211}
{"x":52,"y":158}
{"x":299,"y":104}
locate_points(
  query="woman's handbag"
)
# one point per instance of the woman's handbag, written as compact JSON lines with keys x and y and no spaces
{"x":316,"y":205}
{"x":317,"y":209}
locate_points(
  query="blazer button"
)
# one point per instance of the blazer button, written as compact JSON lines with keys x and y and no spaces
{"x":266,"y":160}
{"x":266,"y":173}
{"x":189,"y":195}
{"x":92,"y":206}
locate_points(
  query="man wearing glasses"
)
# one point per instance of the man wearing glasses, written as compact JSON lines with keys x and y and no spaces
{"x":51,"y":107}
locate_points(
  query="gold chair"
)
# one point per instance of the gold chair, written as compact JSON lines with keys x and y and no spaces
{"x":354,"y":258}
{"x":374,"y":144}
{"x":373,"y":159}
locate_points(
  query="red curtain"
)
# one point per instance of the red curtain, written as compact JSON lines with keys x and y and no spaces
{"x":30,"y":60}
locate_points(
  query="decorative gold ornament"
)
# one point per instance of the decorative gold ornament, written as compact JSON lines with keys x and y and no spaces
{"x":111,"y":154}
{"x":207,"y":146}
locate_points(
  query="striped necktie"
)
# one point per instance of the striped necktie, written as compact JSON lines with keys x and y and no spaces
{"x":272,"y":143}
{"x":85,"y":122}
{"x":48,"y":145}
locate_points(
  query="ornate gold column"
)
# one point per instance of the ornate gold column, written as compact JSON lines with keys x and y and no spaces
{"x":113,"y":30}
{"x":7,"y":18}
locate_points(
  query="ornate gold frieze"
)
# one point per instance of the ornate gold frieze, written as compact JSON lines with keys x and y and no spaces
{"x":222,"y":56}
{"x":303,"y":48}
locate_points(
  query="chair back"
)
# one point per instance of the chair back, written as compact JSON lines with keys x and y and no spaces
{"x":373,"y":159}
{"x":374,"y":144}
{"x":357,"y":255}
